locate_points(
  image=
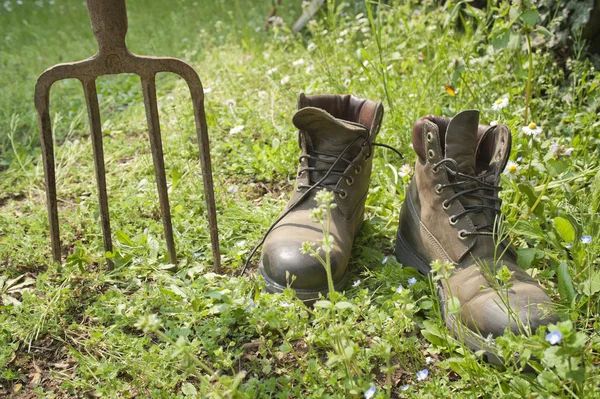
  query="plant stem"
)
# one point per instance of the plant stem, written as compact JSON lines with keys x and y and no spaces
{"x":529,"y":78}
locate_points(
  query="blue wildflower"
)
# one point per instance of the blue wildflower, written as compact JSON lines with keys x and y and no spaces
{"x":384,"y":261}
{"x":399,"y":289}
{"x":554,"y":337}
{"x":369,"y":393}
{"x":568,"y":246}
{"x":586,"y":239}
{"x":412,"y":281}
{"x":356,"y":283}
{"x":404,"y":387}
{"x":422,"y":375}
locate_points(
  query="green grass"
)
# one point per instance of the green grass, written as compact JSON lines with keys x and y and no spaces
{"x":70,"y":330}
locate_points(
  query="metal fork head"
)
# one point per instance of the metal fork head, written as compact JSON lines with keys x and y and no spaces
{"x":109,"y":24}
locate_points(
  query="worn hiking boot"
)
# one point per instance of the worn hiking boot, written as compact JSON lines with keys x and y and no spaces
{"x":450,"y":213}
{"x":335,"y":135}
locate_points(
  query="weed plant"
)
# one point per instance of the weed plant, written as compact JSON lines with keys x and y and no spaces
{"x":148,"y":329}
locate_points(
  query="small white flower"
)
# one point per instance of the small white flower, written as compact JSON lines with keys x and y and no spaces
{"x":365,"y":63}
{"x":568,"y":151}
{"x":285,"y":304}
{"x":429,"y":360}
{"x":271,"y":71}
{"x":500,"y":104}
{"x":493,"y":123}
{"x":230,"y":103}
{"x":344,"y":32}
{"x":404,"y":170}
{"x":237,"y":129}
{"x":511,"y":170}
{"x":356,"y":283}
{"x":532,"y":129}
{"x":208,"y":90}
{"x":298,"y":62}
{"x":311,"y":47}
{"x":262,"y":94}
{"x":554,"y":147}
{"x":285,"y":80}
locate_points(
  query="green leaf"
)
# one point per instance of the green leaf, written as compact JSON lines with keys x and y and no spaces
{"x":591,"y":285}
{"x":565,"y":229}
{"x":530,"y":17}
{"x":565,"y":283}
{"x":124,"y":238}
{"x":526,"y":256}
{"x":344,"y":305}
{"x":323,"y":304}
{"x":527,"y":229}
{"x":500,"y":39}
{"x":453,"y":305}
{"x":542,"y":30}
{"x":188,"y":389}
{"x":532,"y":199}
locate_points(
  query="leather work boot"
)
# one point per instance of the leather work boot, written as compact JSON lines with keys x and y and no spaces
{"x":336,"y":135}
{"x":449,"y":214}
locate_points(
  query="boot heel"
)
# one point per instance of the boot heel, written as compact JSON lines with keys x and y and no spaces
{"x":409,"y":257}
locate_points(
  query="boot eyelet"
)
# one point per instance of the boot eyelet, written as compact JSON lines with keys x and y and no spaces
{"x":445,"y":205}
{"x":463,"y":234}
{"x":438,"y":189}
{"x":302,"y":157}
{"x":301,"y":173}
{"x":452,"y":220}
{"x":343,"y":194}
{"x":431,"y":154}
{"x":358,"y":170}
{"x":298,"y":188}
{"x":429,"y":137}
{"x":349,"y":181}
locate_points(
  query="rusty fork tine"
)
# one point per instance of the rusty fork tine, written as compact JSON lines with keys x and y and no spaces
{"x":91,"y":99}
{"x":45,"y":125}
{"x":149,"y":89}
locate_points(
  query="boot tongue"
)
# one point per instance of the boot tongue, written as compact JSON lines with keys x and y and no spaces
{"x":325,"y":133}
{"x":461,"y":140}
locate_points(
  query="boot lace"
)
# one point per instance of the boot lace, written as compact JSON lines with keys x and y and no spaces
{"x":326,"y":158}
{"x":464,"y":184}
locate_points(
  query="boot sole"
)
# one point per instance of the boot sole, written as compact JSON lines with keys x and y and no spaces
{"x":306,"y":296}
{"x":407,"y":256}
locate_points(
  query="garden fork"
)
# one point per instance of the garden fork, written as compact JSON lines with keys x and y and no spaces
{"x":109,"y":24}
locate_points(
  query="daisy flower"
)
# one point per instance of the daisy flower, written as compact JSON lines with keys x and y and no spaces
{"x":532,"y":129}
{"x":500,"y":104}
{"x":511,"y":170}
{"x":404,"y":170}
{"x":237,"y":129}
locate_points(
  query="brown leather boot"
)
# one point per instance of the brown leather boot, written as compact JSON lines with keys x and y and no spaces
{"x":450,"y":213}
{"x":335,"y":135}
